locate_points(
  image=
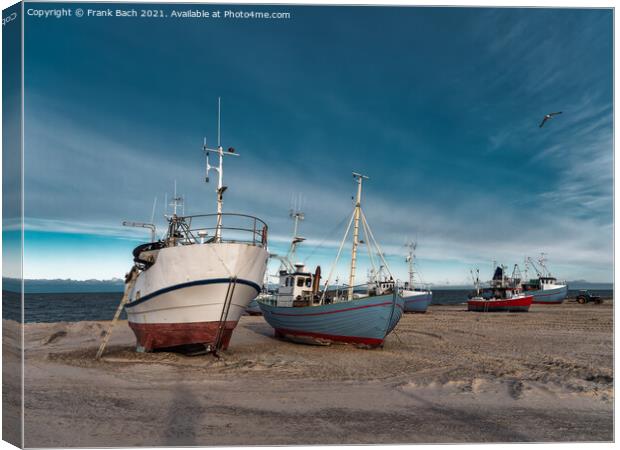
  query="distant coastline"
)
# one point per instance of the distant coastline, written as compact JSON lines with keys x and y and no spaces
{"x":62,"y":286}
{"x":117,"y":285}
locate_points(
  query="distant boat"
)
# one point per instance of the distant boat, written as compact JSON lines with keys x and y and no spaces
{"x":190,"y":287}
{"x":545,"y":288}
{"x":416,"y":299}
{"x":359,"y":315}
{"x":503,"y":294}
{"x":253,"y":309}
{"x":286,"y":262}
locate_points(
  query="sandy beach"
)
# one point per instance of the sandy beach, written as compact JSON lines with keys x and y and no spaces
{"x":445,"y":376}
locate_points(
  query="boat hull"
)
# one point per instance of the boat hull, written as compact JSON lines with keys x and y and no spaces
{"x":417,"y":301}
{"x":253,"y":309}
{"x":518,"y":304}
{"x":549,"y":296}
{"x":195,"y":293}
{"x":363,"y":322}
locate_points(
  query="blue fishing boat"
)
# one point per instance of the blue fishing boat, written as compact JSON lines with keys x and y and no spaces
{"x":359,"y":315}
{"x":364,"y":322}
{"x":416,"y":299}
{"x":545,"y":288}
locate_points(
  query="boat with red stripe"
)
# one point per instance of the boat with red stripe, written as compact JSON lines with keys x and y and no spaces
{"x":360,"y":315}
{"x":502,"y":295}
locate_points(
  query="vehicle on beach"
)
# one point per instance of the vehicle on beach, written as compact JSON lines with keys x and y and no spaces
{"x":545,"y":288}
{"x":361,"y":315}
{"x":190,"y":287}
{"x":416,"y":299}
{"x":585,"y":296}
{"x":503,"y":294}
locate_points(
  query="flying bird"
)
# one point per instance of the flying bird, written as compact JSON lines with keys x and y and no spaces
{"x":547,"y":117}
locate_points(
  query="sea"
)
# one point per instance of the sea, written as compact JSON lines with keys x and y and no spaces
{"x":75,"y":307}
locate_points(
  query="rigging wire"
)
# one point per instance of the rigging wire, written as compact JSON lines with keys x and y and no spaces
{"x":369,"y":247}
{"x":331,"y":272}
{"x":387,"y":267}
{"x":327,"y":236}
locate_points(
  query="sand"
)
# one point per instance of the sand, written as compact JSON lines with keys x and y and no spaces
{"x":445,"y":376}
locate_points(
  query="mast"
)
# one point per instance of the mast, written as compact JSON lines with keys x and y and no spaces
{"x":296,"y":214}
{"x":410,"y":257}
{"x":541,"y":261}
{"x":177,"y":201}
{"x":476,"y":280}
{"x":220,"y":172}
{"x":356,"y":222}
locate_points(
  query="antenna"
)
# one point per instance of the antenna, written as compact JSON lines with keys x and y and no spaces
{"x":219,"y":151}
{"x":153,"y":211}
{"x":177,"y":201}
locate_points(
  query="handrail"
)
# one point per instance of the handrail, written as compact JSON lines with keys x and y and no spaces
{"x":224,"y":214}
{"x":258,"y":228}
{"x":341,"y":288}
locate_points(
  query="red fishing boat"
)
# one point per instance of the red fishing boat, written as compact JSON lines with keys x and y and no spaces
{"x":504,"y":294}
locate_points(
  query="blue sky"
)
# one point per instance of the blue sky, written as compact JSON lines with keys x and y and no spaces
{"x":439,"y":106}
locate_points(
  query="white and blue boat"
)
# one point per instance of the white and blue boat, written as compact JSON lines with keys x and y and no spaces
{"x":416,"y":299}
{"x":545,"y":289}
{"x":364,"y":321}
{"x":360,"y":315}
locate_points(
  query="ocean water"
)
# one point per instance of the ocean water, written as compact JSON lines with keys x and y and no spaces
{"x":74,"y":307}
{"x":62,"y":307}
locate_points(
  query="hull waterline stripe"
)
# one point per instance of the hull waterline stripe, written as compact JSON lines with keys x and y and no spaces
{"x":334,"y":312}
{"x":331,"y":337}
{"x":411,"y":300}
{"x":191,"y":284}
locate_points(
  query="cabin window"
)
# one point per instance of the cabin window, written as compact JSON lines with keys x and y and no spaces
{"x":308,"y":282}
{"x":300,"y":282}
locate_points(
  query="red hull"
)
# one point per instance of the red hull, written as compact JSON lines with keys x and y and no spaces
{"x":510,"y":304}
{"x":322,"y":338}
{"x":153,"y":336}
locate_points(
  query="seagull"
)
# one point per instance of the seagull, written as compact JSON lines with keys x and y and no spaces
{"x":547,"y":117}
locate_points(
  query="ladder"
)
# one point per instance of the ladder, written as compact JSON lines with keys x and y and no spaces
{"x":219,"y":338}
{"x":132,"y":277}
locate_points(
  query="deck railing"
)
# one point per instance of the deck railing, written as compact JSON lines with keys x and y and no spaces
{"x":234,"y":228}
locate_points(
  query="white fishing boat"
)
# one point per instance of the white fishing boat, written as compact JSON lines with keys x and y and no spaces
{"x":416,"y":299}
{"x":545,"y":287}
{"x":191,"y":286}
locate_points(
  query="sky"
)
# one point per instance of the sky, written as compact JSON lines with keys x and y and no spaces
{"x":440,"y":107}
